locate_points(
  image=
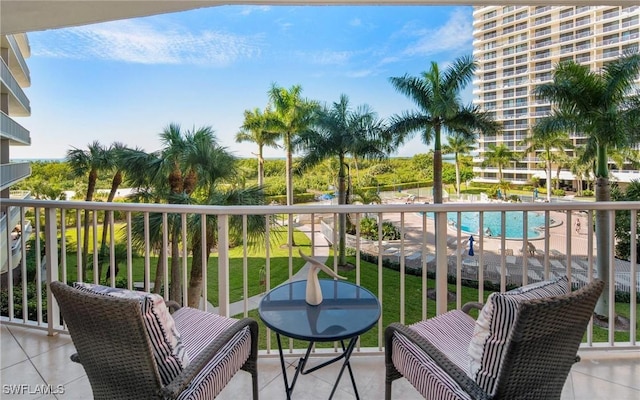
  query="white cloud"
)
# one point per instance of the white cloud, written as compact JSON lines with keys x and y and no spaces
{"x":355,"y":22}
{"x":140,"y":42}
{"x":328,"y":57}
{"x":361,"y":73}
{"x":456,"y":33}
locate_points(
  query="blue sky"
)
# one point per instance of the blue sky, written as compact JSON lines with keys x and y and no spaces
{"x":126,"y":80}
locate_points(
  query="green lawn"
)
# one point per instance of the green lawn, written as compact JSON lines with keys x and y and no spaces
{"x":279,"y":268}
{"x":413,"y":305}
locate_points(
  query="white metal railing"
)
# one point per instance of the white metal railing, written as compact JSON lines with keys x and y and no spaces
{"x":425,"y":249}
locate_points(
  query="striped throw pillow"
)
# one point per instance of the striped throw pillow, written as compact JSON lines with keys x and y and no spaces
{"x":168,"y":349}
{"x":494,"y":324}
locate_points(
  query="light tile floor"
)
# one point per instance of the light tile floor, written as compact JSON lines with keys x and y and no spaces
{"x":31,"y":358}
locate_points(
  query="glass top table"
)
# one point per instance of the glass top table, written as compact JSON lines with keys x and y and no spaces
{"x":346,"y":312}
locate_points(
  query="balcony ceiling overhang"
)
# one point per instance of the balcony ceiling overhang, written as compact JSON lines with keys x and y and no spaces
{"x":20,"y":16}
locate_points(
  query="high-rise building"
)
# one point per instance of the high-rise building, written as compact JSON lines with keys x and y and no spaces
{"x":517,"y":47}
{"x":14,"y":76}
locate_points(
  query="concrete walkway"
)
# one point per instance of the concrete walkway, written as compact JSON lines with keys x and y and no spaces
{"x":321,"y":252}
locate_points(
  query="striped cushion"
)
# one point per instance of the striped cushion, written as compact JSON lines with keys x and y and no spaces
{"x":494,"y":324}
{"x":450,"y":333}
{"x":169,"y":352}
{"x":200,"y":328}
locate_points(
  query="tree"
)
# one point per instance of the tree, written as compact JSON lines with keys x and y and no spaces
{"x":87,"y":162}
{"x":603,"y":107}
{"x":337,"y":132}
{"x":458,"y":145}
{"x":254,"y":130}
{"x":291,"y":115}
{"x":549,"y":142}
{"x":192,"y":168}
{"x":498,"y":156}
{"x":115,"y":161}
{"x":168,"y":176}
{"x":437,"y":97}
{"x":623,"y":227}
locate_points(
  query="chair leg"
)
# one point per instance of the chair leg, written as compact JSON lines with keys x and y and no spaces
{"x":387,"y":390}
{"x":254,"y":381}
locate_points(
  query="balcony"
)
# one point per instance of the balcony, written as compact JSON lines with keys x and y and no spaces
{"x":18,"y":102}
{"x":12,"y":173}
{"x":31,"y":357}
{"x":16,"y":133}
{"x":42,"y":354}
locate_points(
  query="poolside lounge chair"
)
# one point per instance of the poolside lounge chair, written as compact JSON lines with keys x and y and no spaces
{"x":131,"y":348}
{"x":523,"y":346}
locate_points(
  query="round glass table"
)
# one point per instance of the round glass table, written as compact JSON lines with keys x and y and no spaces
{"x":346,"y":312}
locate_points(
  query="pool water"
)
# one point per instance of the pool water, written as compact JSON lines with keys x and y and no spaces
{"x":469,"y":222}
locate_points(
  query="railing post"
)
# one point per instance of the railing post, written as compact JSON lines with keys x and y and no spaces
{"x":223,"y":265}
{"x":441,"y":262}
{"x":51,"y":257}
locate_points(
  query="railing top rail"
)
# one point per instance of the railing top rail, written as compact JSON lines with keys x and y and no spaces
{"x":327,"y":208}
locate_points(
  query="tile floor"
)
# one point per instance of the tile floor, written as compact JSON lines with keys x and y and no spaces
{"x":31,"y":358}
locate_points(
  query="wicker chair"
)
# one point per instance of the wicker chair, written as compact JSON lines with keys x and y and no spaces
{"x":540,"y":349}
{"x":114,"y":347}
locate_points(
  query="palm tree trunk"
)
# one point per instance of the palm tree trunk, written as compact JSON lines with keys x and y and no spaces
{"x":91,"y":187}
{"x":342,"y":220}
{"x":437,"y":167}
{"x":457,"y":176}
{"x":159,"y":279}
{"x":603,"y":231}
{"x":260,"y":167}
{"x":548,"y":183}
{"x":175,"y":292}
{"x":195,"y":278}
{"x":289,"y":177}
{"x":115,"y":183}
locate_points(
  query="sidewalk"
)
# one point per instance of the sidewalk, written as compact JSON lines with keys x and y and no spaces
{"x":321,"y":252}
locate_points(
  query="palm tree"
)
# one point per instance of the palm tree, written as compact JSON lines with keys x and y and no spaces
{"x":254,"y":130}
{"x":498,"y":156}
{"x":458,"y":145}
{"x":114,"y":156}
{"x":169,"y":176}
{"x":291,"y":115}
{"x":602,"y":106}
{"x":190,"y":169}
{"x":440,"y":110}
{"x":548,"y":142}
{"x":340,"y":131}
{"x":87,"y":162}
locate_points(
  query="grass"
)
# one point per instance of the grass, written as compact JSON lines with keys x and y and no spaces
{"x":279,"y":265}
{"x":279,"y":272}
{"x":413,"y":305}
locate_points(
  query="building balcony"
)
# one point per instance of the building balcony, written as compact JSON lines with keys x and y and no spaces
{"x":12,"y":173}
{"x":18,"y":102}
{"x":13,"y":131}
{"x":36,"y":346}
{"x":17,"y":63}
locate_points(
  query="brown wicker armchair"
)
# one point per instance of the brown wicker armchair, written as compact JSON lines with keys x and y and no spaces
{"x":115,"y":347}
{"x":541,"y":346}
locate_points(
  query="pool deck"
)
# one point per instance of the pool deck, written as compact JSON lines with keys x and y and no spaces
{"x":544,"y":260}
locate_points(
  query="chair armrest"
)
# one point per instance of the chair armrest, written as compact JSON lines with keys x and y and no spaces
{"x":172,"y":305}
{"x":172,"y":390}
{"x":467,"y":307}
{"x":461,"y":378}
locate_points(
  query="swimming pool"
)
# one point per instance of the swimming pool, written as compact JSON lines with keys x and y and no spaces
{"x":469,"y":222}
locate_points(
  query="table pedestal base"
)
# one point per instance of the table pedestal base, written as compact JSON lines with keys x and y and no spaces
{"x":346,"y":354}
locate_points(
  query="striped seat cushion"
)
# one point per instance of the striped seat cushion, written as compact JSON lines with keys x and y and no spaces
{"x":493,"y":326}
{"x":450,"y":333}
{"x":168,"y":350}
{"x":200,"y":328}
